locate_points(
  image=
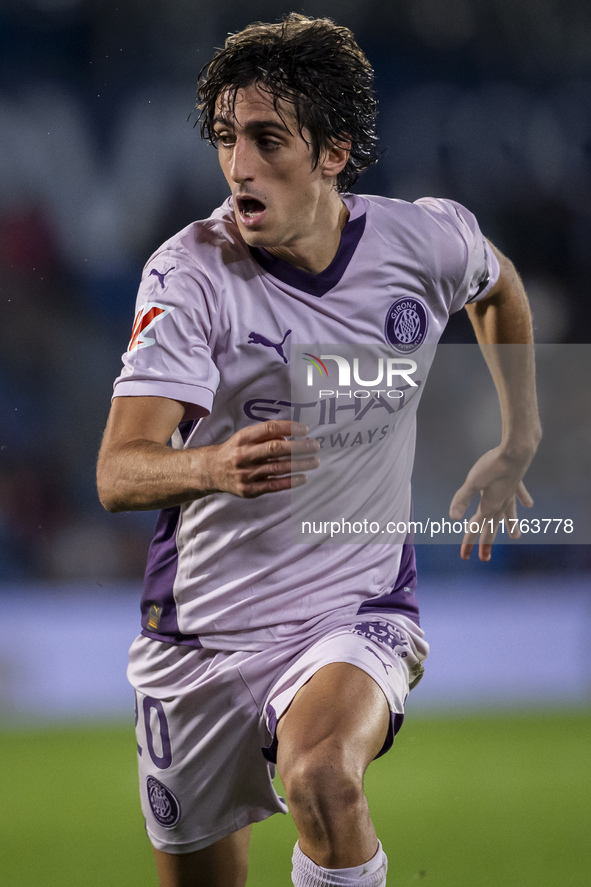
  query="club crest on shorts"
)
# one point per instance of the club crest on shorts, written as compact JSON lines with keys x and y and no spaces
{"x":406,"y":324}
{"x":164,"y":805}
{"x":383,"y":633}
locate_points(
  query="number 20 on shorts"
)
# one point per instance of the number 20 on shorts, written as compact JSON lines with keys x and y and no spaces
{"x":150,"y":705}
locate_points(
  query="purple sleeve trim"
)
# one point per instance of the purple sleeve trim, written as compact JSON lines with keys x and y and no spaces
{"x":492,"y":275}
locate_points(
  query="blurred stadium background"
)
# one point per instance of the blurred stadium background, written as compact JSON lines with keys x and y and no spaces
{"x":484,"y":101}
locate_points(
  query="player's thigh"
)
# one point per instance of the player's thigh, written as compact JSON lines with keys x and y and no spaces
{"x":341,"y":706}
{"x":223,"y":864}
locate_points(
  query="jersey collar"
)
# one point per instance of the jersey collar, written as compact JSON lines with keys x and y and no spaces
{"x":315,"y":284}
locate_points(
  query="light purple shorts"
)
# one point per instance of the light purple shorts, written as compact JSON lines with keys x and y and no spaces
{"x":206,"y":719}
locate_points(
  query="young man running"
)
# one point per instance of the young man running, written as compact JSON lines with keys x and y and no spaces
{"x":255,"y":650}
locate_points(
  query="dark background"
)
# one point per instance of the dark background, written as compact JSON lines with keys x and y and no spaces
{"x":484,"y":101}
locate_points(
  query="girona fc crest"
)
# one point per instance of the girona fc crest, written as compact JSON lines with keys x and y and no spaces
{"x":148,"y":315}
{"x":164,"y":804}
{"x":406,"y":324}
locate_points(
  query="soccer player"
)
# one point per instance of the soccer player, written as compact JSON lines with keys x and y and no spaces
{"x":254,"y":650}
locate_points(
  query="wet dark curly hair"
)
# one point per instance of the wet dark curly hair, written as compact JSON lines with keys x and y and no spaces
{"x":313,"y":64}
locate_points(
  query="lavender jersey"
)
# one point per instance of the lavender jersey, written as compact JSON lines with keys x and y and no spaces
{"x":225,"y":329}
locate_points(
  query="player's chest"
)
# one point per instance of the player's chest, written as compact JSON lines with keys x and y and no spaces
{"x":261,"y":327}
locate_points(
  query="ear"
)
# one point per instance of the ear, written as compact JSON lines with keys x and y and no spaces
{"x":335,"y":159}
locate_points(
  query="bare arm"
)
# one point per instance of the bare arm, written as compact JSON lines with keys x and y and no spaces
{"x":503,"y":319}
{"x":137,"y":470}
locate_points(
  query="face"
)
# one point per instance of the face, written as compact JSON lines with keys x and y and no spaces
{"x":279,"y":199}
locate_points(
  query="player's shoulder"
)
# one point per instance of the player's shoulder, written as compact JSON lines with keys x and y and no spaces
{"x":447,"y":213}
{"x":425,"y":211}
{"x":438,"y":231}
{"x":205,"y":246}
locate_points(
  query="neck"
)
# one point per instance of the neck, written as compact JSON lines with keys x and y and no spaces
{"x":315,"y":252}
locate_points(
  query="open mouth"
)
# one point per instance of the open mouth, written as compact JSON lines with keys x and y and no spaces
{"x":250,"y":207}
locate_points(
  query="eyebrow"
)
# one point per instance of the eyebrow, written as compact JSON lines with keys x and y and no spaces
{"x":253,"y":125}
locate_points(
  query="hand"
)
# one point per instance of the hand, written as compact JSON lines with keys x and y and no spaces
{"x":497,"y":477}
{"x":261,"y":459}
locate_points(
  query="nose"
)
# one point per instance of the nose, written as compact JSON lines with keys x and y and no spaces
{"x":241,"y":166}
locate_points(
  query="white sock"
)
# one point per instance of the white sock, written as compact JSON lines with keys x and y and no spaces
{"x":306,"y":873}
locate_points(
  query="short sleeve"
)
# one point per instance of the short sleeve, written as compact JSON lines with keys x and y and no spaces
{"x":463,"y":260}
{"x":170,"y":348}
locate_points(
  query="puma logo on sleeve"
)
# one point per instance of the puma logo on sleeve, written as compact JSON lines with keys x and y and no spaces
{"x":160,"y":275}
